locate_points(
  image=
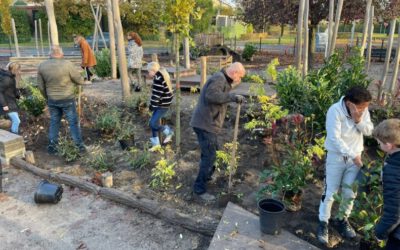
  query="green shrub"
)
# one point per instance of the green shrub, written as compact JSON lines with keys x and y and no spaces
{"x":162,"y":173}
{"x":108,"y":121}
{"x":67,"y":149}
{"x":103,"y":67}
{"x":34,"y":102}
{"x":253,"y":78}
{"x":248,"y":51}
{"x":99,"y":160}
{"x":139,"y":159}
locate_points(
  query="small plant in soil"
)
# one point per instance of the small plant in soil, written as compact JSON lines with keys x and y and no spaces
{"x":248,"y":51}
{"x":139,"y":159}
{"x":163,"y":172}
{"x":139,"y":101}
{"x":108,"y":121}
{"x":253,"y":78}
{"x":224,"y":161}
{"x":99,"y":160}
{"x":271,"y":71}
{"x":67,"y":149}
{"x":32,"y":101}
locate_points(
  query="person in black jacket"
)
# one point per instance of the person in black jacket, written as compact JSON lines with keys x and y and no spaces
{"x":9,"y":94}
{"x":387,"y":133}
{"x":161,"y":98}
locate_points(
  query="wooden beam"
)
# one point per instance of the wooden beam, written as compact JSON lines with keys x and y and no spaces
{"x":370,"y":34}
{"x":15,"y":37}
{"x":330,"y":27}
{"x":365,"y":29}
{"x":112,"y":40}
{"x":299,"y":35}
{"x":336,"y":27}
{"x":396,"y":66}
{"x":52,"y":20}
{"x":305,"y":54}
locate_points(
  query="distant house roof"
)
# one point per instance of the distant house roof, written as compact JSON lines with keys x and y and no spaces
{"x":225,"y":3}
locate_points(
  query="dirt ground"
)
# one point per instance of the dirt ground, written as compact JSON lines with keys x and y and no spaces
{"x":81,"y":220}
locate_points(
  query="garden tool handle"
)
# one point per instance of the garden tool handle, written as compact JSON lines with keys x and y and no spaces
{"x":236,"y":128}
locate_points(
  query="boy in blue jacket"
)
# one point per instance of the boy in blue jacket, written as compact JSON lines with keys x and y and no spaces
{"x":387,"y":133}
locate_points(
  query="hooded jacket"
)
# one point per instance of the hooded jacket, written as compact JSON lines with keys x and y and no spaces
{"x":8,"y":92}
{"x":390,"y":220}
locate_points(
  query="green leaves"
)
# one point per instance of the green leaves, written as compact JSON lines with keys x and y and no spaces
{"x":178,"y":13}
{"x":34,"y":102}
{"x":271,"y":69}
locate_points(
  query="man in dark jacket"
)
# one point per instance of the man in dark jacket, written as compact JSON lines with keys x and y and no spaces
{"x":388,"y":136}
{"x":208,"y":119}
{"x":57,"y":79}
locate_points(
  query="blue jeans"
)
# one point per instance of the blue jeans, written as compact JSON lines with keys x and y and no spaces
{"x":57,"y":109}
{"x":15,"y":121}
{"x":208,"y":145}
{"x":155,"y":126}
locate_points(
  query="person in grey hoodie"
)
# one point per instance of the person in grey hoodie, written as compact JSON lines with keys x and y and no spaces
{"x":208,"y":119}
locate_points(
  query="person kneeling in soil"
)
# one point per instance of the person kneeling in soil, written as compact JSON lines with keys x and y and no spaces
{"x":208,"y":119}
{"x":161,"y":98}
{"x":387,"y":133}
{"x":57,"y":79}
{"x":9,"y":94}
{"x":347,"y":122}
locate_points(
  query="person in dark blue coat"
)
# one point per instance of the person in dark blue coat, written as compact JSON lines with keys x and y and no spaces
{"x":9,"y":94}
{"x":387,"y":133}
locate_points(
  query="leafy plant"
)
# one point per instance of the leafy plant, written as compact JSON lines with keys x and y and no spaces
{"x":108,"y":120}
{"x":139,"y":101}
{"x":253,"y":78}
{"x":224,"y":160}
{"x":103,"y":67}
{"x":248,"y":51}
{"x":34,"y":102}
{"x":67,"y":149}
{"x":126,"y":131}
{"x":271,"y":69}
{"x":99,"y":160}
{"x":139,"y":159}
{"x":162,"y":173}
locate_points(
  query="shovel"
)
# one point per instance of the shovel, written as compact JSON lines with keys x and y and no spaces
{"x":233,"y":155}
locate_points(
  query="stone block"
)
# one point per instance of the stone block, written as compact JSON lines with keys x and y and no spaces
{"x":10,"y":145}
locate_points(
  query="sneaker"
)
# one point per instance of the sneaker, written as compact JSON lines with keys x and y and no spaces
{"x":346,"y":230}
{"x":323,"y":234}
{"x":206,"y":197}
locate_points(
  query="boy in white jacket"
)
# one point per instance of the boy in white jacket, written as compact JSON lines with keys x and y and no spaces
{"x":347,"y":122}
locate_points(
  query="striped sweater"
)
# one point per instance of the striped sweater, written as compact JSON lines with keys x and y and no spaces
{"x":161,"y":96}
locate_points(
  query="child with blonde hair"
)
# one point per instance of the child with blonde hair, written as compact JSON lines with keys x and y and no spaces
{"x":387,"y":133}
{"x":161,"y":98}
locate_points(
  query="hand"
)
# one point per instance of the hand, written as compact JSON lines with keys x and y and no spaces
{"x":240,"y":98}
{"x":357,"y":161}
{"x":355,"y":114}
{"x":5,"y":108}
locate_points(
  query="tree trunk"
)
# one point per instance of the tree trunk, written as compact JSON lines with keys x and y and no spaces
{"x":52,"y":21}
{"x":205,"y":225}
{"x":94,"y":41}
{"x":365,"y":28}
{"x":41,"y":36}
{"x":112,"y":40}
{"x":306,"y":38}
{"x":299,"y":35}
{"x":330,"y":27}
{"x":370,"y":34}
{"x":387,"y":58}
{"x":186,"y":46}
{"x":311,"y":45}
{"x":15,"y":37}
{"x":123,"y":68}
{"x":178,"y":97}
{"x":396,"y":66}
{"x":282,"y":29}
{"x":336,"y":28}
{"x":353,"y":28}
{"x":36,"y":39}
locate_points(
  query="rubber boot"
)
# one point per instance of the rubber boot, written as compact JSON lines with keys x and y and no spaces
{"x":155,"y":143}
{"x":168,"y":135}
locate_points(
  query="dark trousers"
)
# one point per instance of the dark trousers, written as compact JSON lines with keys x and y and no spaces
{"x":88,"y":72}
{"x":392,"y":243}
{"x":57,"y":109}
{"x":208,"y":145}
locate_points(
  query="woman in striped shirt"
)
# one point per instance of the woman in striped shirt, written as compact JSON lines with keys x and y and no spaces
{"x":161,"y":98}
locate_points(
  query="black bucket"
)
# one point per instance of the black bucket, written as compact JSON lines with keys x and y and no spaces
{"x":272,"y":214}
{"x":48,"y":192}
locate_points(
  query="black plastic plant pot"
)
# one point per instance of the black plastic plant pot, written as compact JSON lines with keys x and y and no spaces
{"x":48,"y":193}
{"x":272,"y":215}
{"x":126,"y":144}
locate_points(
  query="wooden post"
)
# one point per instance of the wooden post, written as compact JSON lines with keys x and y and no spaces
{"x":178,"y":98}
{"x":187,"y":51}
{"x":15,"y":37}
{"x":370,"y":34}
{"x":305,"y":63}
{"x":233,"y":163}
{"x":387,"y":58}
{"x":52,"y":21}
{"x":41,"y":36}
{"x":203,"y":70}
{"x":29,"y":157}
{"x":97,"y":23}
{"x":336,"y":28}
{"x":365,"y":29}
{"x":299,"y":34}
{"x":49,"y":35}
{"x":123,"y":69}
{"x":36,"y":39}
{"x":353,"y":28}
{"x":330,"y":27}
{"x":112,"y":40}
{"x":154,"y":57}
{"x":396,"y":66}
{"x":260,"y":46}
